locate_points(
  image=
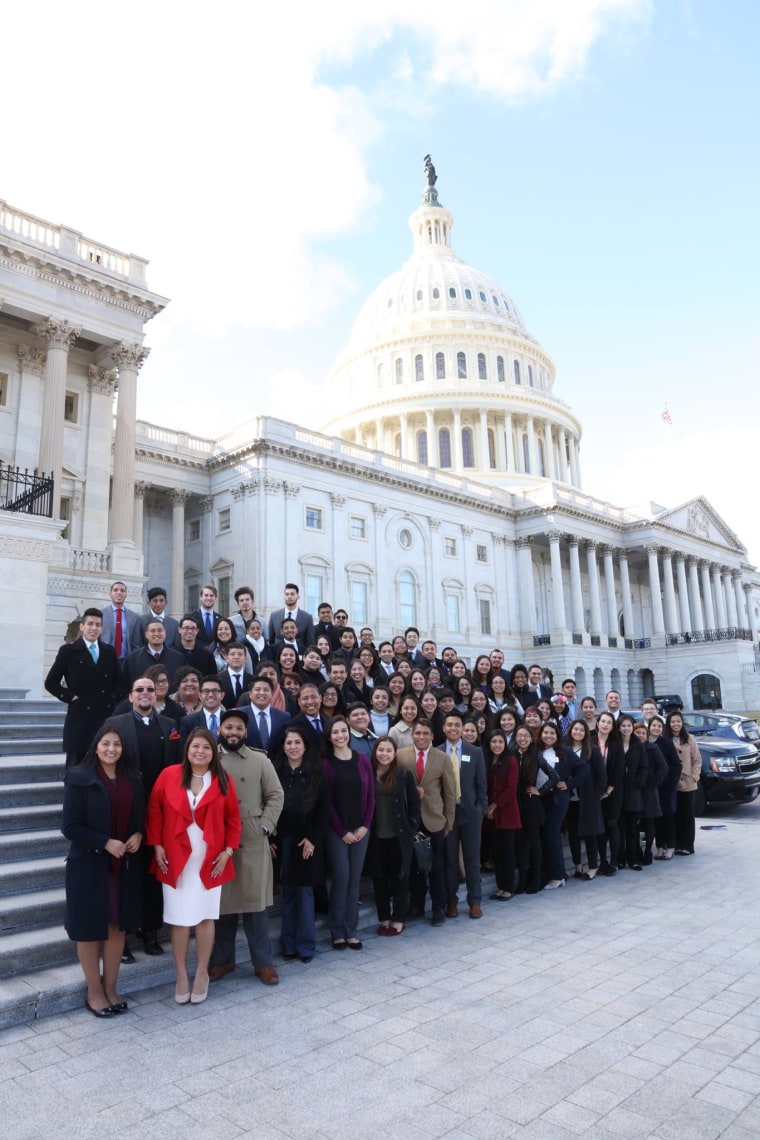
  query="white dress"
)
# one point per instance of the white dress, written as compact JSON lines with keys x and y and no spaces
{"x":190,"y":902}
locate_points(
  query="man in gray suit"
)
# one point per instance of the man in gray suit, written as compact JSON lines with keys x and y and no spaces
{"x":469,"y":769}
{"x":157,"y":609}
{"x":304,"y":621}
{"x":121,"y":627}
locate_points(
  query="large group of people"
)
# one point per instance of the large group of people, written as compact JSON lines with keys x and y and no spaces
{"x":211,"y":756}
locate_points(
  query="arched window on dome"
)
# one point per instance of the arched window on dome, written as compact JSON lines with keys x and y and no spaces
{"x":516,"y":367}
{"x":440,"y":366}
{"x":482,"y":296}
{"x":500,"y":373}
{"x":399,"y":370}
{"x":444,"y":447}
{"x":482,"y":374}
{"x":461,"y":366}
{"x":468,"y":451}
{"x":468,"y":294}
{"x":422,"y":448}
{"x":541,"y":458}
{"x":407,"y":599}
{"x":452,"y":293}
{"x":495,"y":300}
{"x":380,"y":374}
{"x":530,"y":375}
{"x":419,"y":294}
{"x":436,"y":294}
{"x":491,"y":449}
{"x":419,"y":368}
{"x":526,"y":453}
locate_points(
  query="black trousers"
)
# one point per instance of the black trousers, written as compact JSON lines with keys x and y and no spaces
{"x":503,"y":853}
{"x":391,"y":891}
{"x":686,"y":802}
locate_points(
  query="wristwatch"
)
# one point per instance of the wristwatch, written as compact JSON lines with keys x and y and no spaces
{"x":230,"y":851}
{"x":265,"y":830}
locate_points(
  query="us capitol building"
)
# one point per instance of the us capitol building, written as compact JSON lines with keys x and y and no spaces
{"x":447,"y":493}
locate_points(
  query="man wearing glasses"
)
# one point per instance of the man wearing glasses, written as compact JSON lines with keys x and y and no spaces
{"x":148,"y":741}
{"x":210,"y":715}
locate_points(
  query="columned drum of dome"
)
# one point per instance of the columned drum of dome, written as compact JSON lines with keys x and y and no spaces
{"x":441,"y":370}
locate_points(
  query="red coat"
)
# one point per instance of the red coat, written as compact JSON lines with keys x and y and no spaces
{"x":502,"y":791}
{"x":169,"y":816}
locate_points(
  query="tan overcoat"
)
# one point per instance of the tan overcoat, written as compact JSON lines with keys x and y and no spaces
{"x":261,"y":798}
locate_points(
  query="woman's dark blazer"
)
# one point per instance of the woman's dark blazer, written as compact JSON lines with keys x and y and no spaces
{"x":668,"y":796}
{"x":305,"y":815}
{"x":353,"y":692}
{"x":87,"y":824}
{"x":657,"y":773}
{"x":614,"y":765}
{"x":590,"y":792}
{"x":406,"y":817}
{"x":636,"y":768}
{"x":574,"y":772}
{"x":531,"y":807}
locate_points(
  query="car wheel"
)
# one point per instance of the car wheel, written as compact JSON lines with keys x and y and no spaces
{"x":700,"y":802}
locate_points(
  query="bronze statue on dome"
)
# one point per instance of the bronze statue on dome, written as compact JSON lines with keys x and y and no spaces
{"x":429,"y":169}
{"x":430,"y":195}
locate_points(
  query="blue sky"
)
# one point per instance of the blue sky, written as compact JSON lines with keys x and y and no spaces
{"x":600,"y":157}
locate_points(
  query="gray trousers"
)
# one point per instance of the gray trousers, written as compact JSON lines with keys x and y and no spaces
{"x":466,"y":832}
{"x":346,"y":861}
{"x":256,"y":930}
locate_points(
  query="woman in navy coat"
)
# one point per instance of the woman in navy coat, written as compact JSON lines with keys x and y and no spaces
{"x":634,"y":778}
{"x":587,"y":815}
{"x":571,"y":773}
{"x":103,"y":810}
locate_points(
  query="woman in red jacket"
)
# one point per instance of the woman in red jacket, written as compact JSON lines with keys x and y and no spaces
{"x":503,"y":812}
{"x":193,"y":824}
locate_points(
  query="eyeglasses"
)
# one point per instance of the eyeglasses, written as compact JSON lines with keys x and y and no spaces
{"x":210,"y":692}
{"x":143,"y":689}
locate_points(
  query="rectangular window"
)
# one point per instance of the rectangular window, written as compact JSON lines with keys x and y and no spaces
{"x":452,"y":613}
{"x":407,"y":599}
{"x":484,"y":607}
{"x":481,"y":552}
{"x":450,"y":547}
{"x":359,"y":603}
{"x":313,"y":518}
{"x":193,"y":598}
{"x":357,"y":526}
{"x":223,"y":598}
{"x":194,"y":530}
{"x":225,"y":524}
{"x":3,"y":389}
{"x":314,"y":592}
{"x":66,"y":514}
{"x":71,"y":407}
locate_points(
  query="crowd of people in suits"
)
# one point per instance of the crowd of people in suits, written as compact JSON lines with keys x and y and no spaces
{"x":334,"y":758}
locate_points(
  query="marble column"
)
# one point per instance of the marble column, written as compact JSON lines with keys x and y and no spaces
{"x":532,"y":446}
{"x":140,"y":489}
{"x":431,"y":440}
{"x":741,"y":612}
{"x":129,"y":358}
{"x":59,"y":336}
{"x":509,"y":440}
{"x":625,"y":590}
{"x":575,"y":464}
{"x":558,"y":593}
{"x":576,"y":587}
{"x":485,"y":462}
{"x":751,"y":612}
{"x":31,"y":363}
{"x":719,"y":597}
{"x":658,"y":618}
{"x":669,"y":593}
{"x":695,"y":602}
{"x":526,"y":587}
{"x":102,"y":385}
{"x":403,"y":436}
{"x":609,"y":589}
{"x":728,"y":590}
{"x":379,"y":436}
{"x":593,"y":588}
{"x":683,"y":595}
{"x":177,"y":599}
{"x":456,"y":443}
{"x":548,"y":451}
{"x":513,"y":588}
{"x":704,"y":569}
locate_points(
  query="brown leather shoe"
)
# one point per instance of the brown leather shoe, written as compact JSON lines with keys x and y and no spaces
{"x":451,"y":910}
{"x":476,"y":912}
{"x":217,"y":972}
{"x":267,"y":974}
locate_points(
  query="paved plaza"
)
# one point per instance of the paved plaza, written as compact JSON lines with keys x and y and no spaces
{"x":622,"y":1008}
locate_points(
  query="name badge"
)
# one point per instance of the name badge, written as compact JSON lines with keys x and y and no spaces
{"x":465,"y":759}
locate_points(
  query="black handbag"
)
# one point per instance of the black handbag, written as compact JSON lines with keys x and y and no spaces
{"x":423,"y":852}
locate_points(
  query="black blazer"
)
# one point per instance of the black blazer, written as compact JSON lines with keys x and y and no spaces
{"x":191,"y":721}
{"x":142,"y":659}
{"x":328,"y":630}
{"x":279,"y":721}
{"x":203,"y":639}
{"x":614,"y":764}
{"x":96,"y":688}
{"x":200,"y":659}
{"x":590,"y":792}
{"x":229,"y":699}
{"x":127,"y":727}
{"x":636,"y":768}
{"x":406,"y":819}
{"x":314,"y":738}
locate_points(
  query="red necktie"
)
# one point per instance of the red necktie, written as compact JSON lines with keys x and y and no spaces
{"x":420,"y":766}
{"x":117,"y":637}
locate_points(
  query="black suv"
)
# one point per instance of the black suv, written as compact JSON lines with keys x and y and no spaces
{"x":732,"y":726}
{"x":730,"y":771}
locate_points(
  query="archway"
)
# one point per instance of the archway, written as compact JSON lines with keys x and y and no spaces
{"x":705,"y":692}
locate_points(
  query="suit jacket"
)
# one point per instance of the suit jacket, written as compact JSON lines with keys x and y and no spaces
{"x":95,"y":687}
{"x":191,"y":721}
{"x":230,"y":698}
{"x":126,"y":726}
{"x":278,"y":720}
{"x":199,"y":658}
{"x":438,"y":805}
{"x":134,"y":633}
{"x":304,"y":626}
{"x":203,"y":638}
{"x":540,"y":693}
{"x":171,"y":625}
{"x":142,"y":659}
{"x":328,"y":630}
{"x":300,"y":720}
{"x":472,"y":781}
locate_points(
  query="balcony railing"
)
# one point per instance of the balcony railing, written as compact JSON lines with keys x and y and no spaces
{"x":25,"y":492}
{"x":730,"y":633}
{"x":541,"y":639}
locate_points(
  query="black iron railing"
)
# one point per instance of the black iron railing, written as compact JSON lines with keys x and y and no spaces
{"x":25,"y":492}
{"x":731,"y":633}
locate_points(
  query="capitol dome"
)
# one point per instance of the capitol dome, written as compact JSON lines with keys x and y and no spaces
{"x":440,"y":369}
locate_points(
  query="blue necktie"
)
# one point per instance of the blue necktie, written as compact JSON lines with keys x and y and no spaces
{"x":213,"y":724}
{"x":93,"y":647}
{"x":264,"y":730}
{"x":207,"y":623}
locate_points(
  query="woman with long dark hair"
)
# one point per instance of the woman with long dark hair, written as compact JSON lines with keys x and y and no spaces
{"x":401,"y":732}
{"x":664,"y":827}
{"x":571,"y":773}
{"x":391,"y":844}
{"x":396,"y":692}
{"x":686,"y":792}
{"x":536,"y":781}
{"x":502,"y":819}
{"x":609,"y":745}
{"x":509,"y":722}
{"x":585,"y":821}
{"x":332,"y":701}
{"x":462,"y":695}
{"x":634,"y":778}
{"x":657,"y":773}
{"x":482,"y":672}
{"x":103,"y":811}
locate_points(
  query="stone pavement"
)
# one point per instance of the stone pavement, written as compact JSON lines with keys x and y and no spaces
{"x":622,"y":1008}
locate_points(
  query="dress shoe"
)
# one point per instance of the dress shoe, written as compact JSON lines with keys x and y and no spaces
{"x":151,"y":945}
{"x":681,"y":852}
{"x":354,"y":944}
{"x":382,"y":929}
{"x":668,"y":853}
{"x":451,"y":910}
{"x":289,"y":957}
{"x":553,"y":884}
{"x":119,"y":1007}
{"x":267,"y":974}
{"x":392,"y":931}
{"x":635,"y":866}
{"x":198,"y":998}
{"x":415,"y":912}
{"x":181,"y":999}
{"x":107,"y":1012}
{"x":306,"y":958}
{"x":476,"y":911}
{"x":217,"y":972}
{"x":588,"y":876}
{"x":127,"y":957}
{"x":438,"y":918}
{"x":339,"y":944}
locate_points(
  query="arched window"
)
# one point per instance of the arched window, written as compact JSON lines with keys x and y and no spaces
{"x":444,"y":447}
{"x":491,"y":449}
{"x":399,"y":370}
{"x":468,"y":294}
{"x":452,"y":293}
{"x":517,"y":372}
{"x":407,"y":599}
{"x":422,"y":448}
{"x":541,"y":459}
{"x":419,"y":368}
{"x":397,"y":443}
{"x":500,"y":374}
{"x":419,"y":294}
{"x":482,"y":374}
{"x":468,"y":453}
{"x":461,"y":366}
{"x":526,"y":453}
{"x":705,"y":692}
{"x":530,"y":375}
{"x":436,"y":294}
{"x":380,"y":373}
{"x":440,"y":366}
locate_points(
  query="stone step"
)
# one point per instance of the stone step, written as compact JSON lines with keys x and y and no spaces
{"x":12,"y":694}
{"x":29,"y":950}
{"x":18,"y":846}
{"x":32,"y":874}
{"x":30,"y":911}
{"x":30,"y":818}
{"x":41,"y":729}
{"x":18,"y":704}
{"x":38,"y":746}
{"x":29,"y":717}
{"x":18,"y":795}
{"x":32,"y":769}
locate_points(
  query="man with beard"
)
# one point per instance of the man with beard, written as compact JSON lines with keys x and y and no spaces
{"x":250,"y":892}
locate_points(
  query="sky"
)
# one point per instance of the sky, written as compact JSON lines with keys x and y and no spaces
{"x":600,"y":158}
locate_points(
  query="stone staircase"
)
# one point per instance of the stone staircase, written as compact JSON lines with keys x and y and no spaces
{"x":29,"y":728}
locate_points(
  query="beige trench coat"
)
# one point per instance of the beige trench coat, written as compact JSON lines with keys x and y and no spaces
{"x":261,"y":798}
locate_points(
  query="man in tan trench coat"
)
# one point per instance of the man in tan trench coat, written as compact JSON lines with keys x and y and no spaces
{"x":250,"y":892}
